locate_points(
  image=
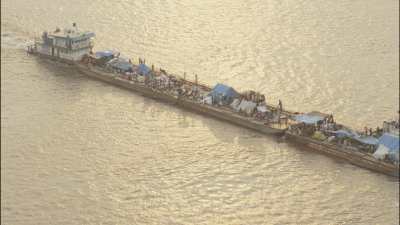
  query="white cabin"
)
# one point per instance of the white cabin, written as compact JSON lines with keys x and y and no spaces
{"x":69,"y":44}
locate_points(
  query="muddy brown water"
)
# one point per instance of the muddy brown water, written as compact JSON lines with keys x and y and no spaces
{"x":78,"y":151}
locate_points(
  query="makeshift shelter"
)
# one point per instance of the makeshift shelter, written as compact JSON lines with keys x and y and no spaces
{"x":102,"y":57}
{"x":235,"y":104}
{"x":391,"y":141}
{"x":207,"y":100}
{"x":388,"y":145}
{"x":247,"y":107}
{"x":308,"y":118}
{"x":366,"y":140}
{"x":120,"y":64}
{"x":143,"y":69}
{"x":381,"y":152}
{"x":105,"y":54}
{"x":223,"y":94}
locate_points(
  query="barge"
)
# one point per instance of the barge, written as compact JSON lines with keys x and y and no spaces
{"x":346,"y":153}
{"x":247,"y":110}
{"x":311,"y":132}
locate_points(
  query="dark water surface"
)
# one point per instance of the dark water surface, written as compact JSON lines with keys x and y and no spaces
{"x":78,"y":151}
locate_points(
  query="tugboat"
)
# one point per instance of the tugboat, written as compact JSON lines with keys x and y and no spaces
{"x":68,"y":45}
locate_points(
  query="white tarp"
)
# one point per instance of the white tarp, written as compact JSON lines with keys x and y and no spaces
{"x":247,"y":106}
{"x":208,"y":100}
{"x":262,"y":108}
{"x":235,"y":104}
{"x":381,"y":152}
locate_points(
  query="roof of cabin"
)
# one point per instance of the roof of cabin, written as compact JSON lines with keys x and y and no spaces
{"x":72,"y":34}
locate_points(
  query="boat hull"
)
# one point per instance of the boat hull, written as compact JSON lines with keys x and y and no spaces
{"x":356,"y":158}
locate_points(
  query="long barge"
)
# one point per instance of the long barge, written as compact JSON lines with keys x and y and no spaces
{"x":72,"y":46}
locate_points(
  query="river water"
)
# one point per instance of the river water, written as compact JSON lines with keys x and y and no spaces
{"x":78,"y":151}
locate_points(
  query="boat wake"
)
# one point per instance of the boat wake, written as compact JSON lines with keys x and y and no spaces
{"x":11,"y":40}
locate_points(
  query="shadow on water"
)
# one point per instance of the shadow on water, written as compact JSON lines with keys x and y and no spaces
{"x":58,"y":69}
{"x":258,"y":142}
{"x":225,"y":132}
{"x":63,"y":76}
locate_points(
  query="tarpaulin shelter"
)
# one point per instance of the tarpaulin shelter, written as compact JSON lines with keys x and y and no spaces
{"x":391,"y":141}
{"x":367,"y":140}
{"x":247,"y":106}
{"x":121,"y":65}
{"x":308,"y":119}
{"x":235,"y":104}
{"x":381,"y":152}
{"x":105,"y":54}
{"x":143,"y":69}
{"x":207,"y":100}
{"x":311,"y":117}
{"x":388,"y":145}
{"x":223,"y":93}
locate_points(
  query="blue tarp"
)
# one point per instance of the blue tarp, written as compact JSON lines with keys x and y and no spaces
{"x":101,"y":54}
{"x":223,"y":93}
{"x":221,"y":89}
{"x":390,"y":141}
{"x":121,"y":64}
{"x":143,"y":69}
{"x":308,"y":119}
{"x":367,"y":140}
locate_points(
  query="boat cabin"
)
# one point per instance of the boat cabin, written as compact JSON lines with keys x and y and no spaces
{"x":69,"y":44}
